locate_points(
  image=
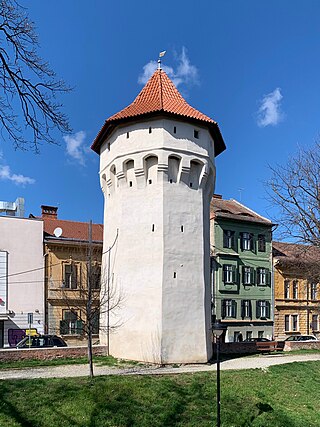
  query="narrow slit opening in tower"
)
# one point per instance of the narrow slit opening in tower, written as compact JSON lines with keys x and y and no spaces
{"x":150,"y":181}
{"x":127,"y":134}
{"x":174,"y":129}
{"x":150,"y":129}
{"x":174,"y":275}
{"x":130,"y":183}
{"x":152,"y":227}
{"x":182,"y":229}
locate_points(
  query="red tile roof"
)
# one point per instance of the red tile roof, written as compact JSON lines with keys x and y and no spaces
{"x":231,"y":209}
{"x":294,"y":254}
{"x":73,"y":230}
{"x":159,"y":96}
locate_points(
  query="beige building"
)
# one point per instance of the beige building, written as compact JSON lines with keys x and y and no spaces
{"x":67,"y":251}
{"x":296,"y":290}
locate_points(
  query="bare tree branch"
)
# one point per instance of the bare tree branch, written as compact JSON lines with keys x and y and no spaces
{"x":295,"y":190}
{"x":28,"y":87}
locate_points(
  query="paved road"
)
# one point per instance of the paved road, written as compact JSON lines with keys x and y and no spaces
{"x":259,"y":362}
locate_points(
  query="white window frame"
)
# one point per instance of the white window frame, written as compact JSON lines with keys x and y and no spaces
{"x":313,"y":291}
{"x":228,"y":273}
{"x":291,"y":317}
{"x":247,"y":275}
{"x":229,"y":306}
{"x":295,"y":289}
{"x":262,"y":276}
{"x":246,"y":308}
{"x":286,"y":289}
{"x":246,"y":241}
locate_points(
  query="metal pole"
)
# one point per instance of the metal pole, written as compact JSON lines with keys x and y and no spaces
{"x":218,"y":382}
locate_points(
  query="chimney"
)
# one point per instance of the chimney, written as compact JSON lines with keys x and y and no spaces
{"x":49,"y":212}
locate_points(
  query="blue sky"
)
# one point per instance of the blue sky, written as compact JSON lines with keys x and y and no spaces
{"x":253,"y":66}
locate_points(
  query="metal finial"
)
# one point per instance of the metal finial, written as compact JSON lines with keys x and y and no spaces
{"x":161,"y":54}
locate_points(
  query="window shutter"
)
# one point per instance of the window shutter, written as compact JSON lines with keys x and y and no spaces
{"x":224,"y":273}
{"x":79,"y":327}
{"x":250,"y":309}
{"x":225,"y":239}
{"x":74,"y":277}
{"x":234,"y":308}
{"x":268,"y":309}
{"x":258,"y":310}
{"x":243,"y":274}
{"x":232,"y":240}
{"x":242,"y":308}
{"x":268,"y":277}
{"x":223,"y":309}
{"x":251,"y":276}
{"x":241,"y":240}
{"x":251,"y":242}
{"x":63,"y":327}
{"x":234,"y":274}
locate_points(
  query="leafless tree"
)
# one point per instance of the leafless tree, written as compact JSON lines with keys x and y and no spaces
{"x":295,"y":190}
{"x":29,"y":110}
{"x":95,"y":297}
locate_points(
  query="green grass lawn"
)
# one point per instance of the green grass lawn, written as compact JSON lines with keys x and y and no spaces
{"x":286,"y":396}
{"x":100,"y":360}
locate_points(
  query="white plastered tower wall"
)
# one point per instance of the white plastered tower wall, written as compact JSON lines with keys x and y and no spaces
{"x":158,"y":179}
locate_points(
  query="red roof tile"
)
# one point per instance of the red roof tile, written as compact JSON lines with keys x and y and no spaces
{"x":159,"y":96}
{"x":73,"y":230}
{"x":231,"y":209}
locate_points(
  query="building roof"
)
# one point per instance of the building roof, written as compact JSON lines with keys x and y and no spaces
{"x":72,"y":230}
{"x":295,"y":255}
{"x":234,"y":210}
{"x":159,"y":96}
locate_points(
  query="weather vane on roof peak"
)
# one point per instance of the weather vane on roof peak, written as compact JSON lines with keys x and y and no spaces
{"x":161,"y":54}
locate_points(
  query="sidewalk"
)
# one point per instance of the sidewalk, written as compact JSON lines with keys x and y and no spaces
{"x":259,"y":362}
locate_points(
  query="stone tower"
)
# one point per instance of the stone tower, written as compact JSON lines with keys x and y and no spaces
{"x":157,"y":173}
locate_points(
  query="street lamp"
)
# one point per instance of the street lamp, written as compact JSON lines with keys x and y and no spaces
{"x":217,"y":330}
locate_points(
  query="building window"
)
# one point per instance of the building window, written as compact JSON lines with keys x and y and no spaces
{"x":70,"y":276}
{"x":286,"y":289}
{"x":174,"y":129}
{"x":314,"y":324}
{"x":246,"y":308}
{"x":295,"y":289}
{"x":263,"y":309}
{"x":228,"y":239}
{"x":71,"y":325}
{"x":262,"y":276}
{"x":313,"y":291}
{"x":229,"y":274}
{"x":294,"y":322}
{"x":196,"y":134}
{"x":247,"y":275}
{"x":150,"y":129}
{"x":287,"y":322}
{"x":246,"y":241}
{"x":260,"y":334}
{"x":95,"y":322}
{"x":127,"y":134}
{"x":96,"y":277}
{"x":291,"y":323}
{"x":248,"y":335}
{"x":229,"y":308}
{"x":261,"y":243}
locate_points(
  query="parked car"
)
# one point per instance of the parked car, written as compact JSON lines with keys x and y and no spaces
{"x":41,"y":341}
{"x":301,"y":338}
{"x":256,"y":340}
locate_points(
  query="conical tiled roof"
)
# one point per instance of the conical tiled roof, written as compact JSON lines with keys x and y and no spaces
{"x":159,"y":96}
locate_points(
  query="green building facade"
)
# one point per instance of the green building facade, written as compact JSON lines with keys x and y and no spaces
{"x":241,"y":260}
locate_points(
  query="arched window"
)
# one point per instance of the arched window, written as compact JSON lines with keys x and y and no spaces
{"x":151,"y":169}
{"x":113,"y":178}
{"x":195,"y":172}
{"x":173,"y":168}
{"x":129,"y":172}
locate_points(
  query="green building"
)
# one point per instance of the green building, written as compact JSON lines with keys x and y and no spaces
{"x":241,"y":270}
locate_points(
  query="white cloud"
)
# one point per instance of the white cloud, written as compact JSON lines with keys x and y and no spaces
{"x":269,"y":112}
{"x":5,"y":174}
{"x":75,"y":146}
{"x":183,"y":73}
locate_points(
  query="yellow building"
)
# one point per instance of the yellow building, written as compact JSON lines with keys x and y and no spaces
{"x":296,"y":290}
{"x":67,"y":249}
